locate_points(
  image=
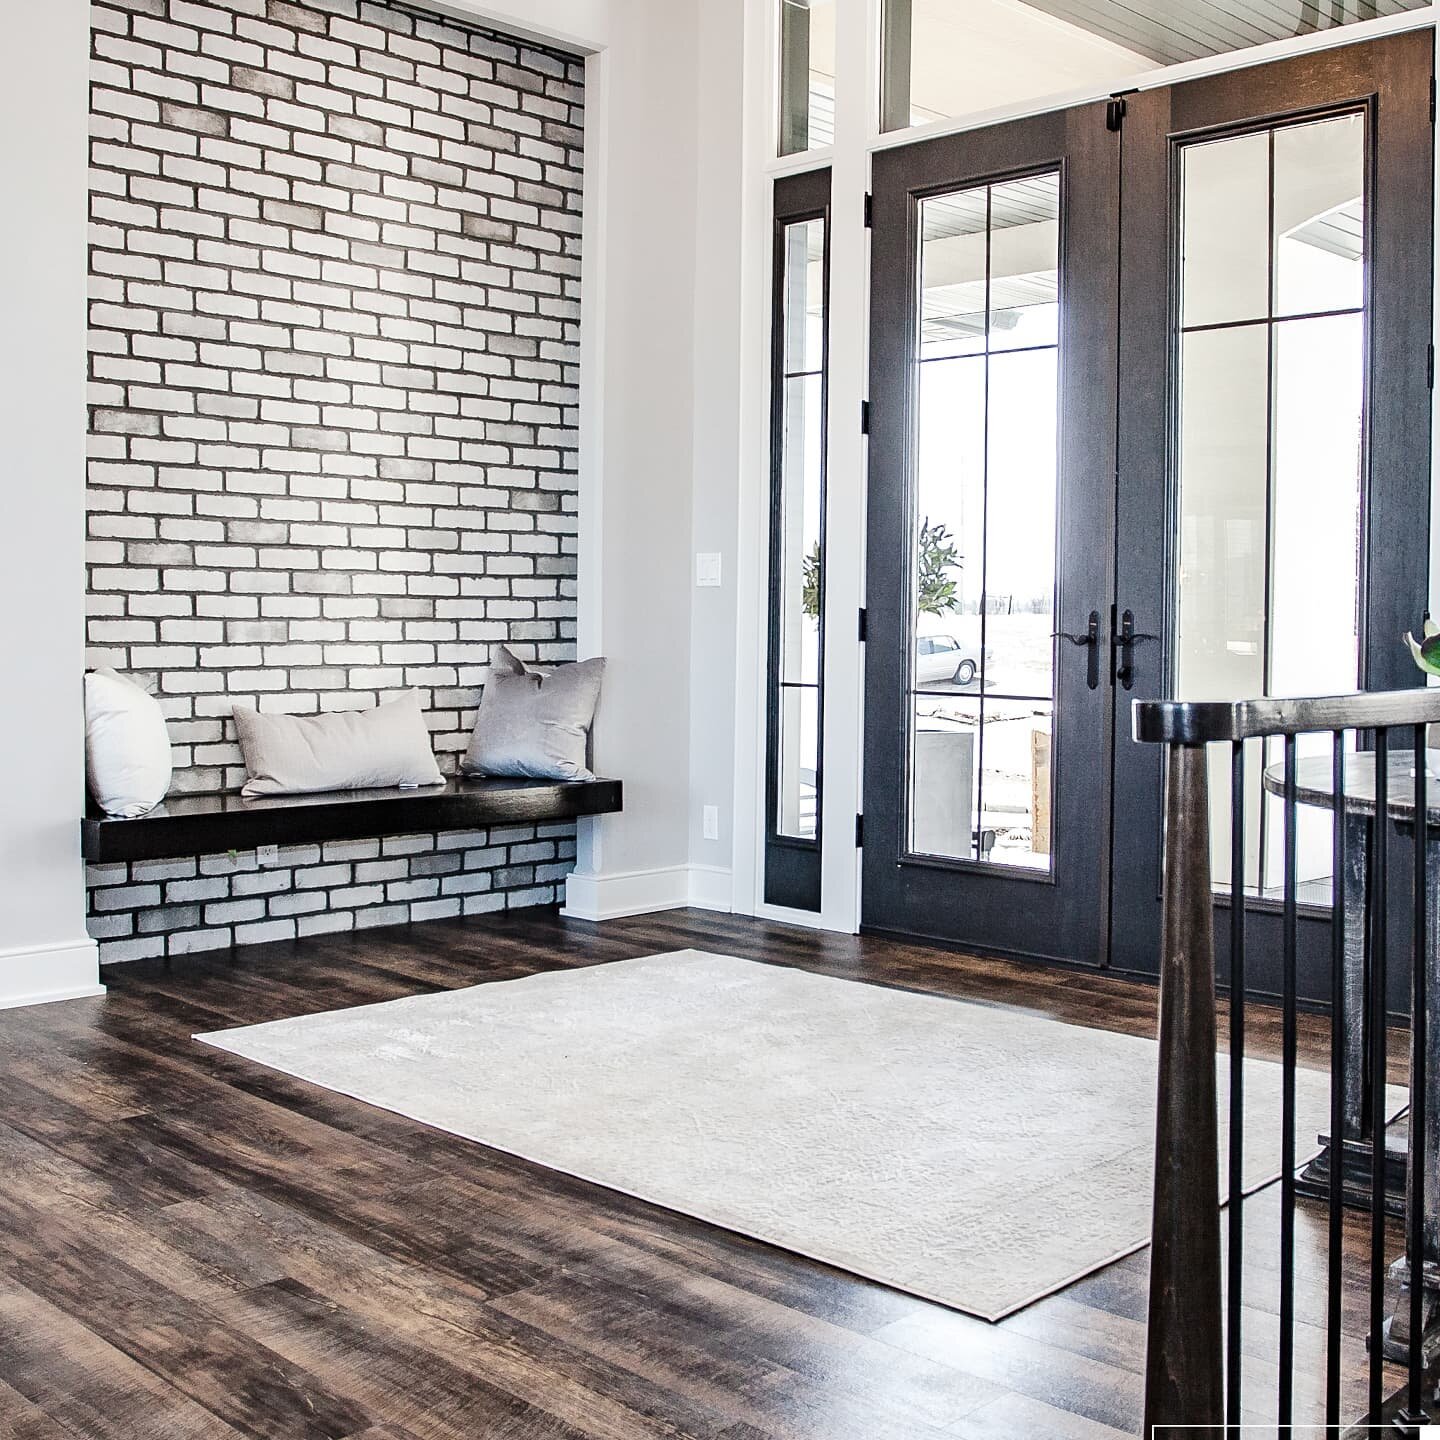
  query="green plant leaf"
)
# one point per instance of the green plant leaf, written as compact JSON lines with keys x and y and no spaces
{"x":936,"y":554}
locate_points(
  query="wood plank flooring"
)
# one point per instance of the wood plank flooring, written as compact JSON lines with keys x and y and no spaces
{"x":198,"y":1247}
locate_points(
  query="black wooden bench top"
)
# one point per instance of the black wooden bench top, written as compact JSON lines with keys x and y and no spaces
{"x":214,"y":823}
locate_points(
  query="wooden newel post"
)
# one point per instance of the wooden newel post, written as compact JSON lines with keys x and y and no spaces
{"x":1183,"y":1384}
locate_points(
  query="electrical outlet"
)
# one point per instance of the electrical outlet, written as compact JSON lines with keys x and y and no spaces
{"x":267,"y":856}
{"x":710,"y":818}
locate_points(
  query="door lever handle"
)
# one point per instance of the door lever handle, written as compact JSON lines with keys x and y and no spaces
{"x":1125,"y":640}
{"x":1090,"y":640}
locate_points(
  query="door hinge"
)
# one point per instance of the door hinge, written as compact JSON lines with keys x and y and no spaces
{"x":1114,"y":112}
{"x":869,"y":210}
{"x":864,"y":417}
{"x":862,"y":629}
{"x":859,"y":832}
{"x":1430,"y":367}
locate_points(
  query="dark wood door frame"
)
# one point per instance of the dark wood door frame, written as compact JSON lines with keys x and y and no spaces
{"x":983,"y":906}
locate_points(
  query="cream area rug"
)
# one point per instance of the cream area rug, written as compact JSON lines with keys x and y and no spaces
{"x":976,"y":1156}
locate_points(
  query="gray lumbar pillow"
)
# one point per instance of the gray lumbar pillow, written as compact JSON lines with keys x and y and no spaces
{"x":348,"y":750}
{"x":535,"y":722}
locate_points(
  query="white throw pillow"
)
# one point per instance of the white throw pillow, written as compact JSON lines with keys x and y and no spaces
{"x":127,"y":748}
{"x":347,"y":750}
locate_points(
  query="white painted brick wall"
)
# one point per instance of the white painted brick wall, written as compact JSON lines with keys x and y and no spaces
{"x":334,"y":346}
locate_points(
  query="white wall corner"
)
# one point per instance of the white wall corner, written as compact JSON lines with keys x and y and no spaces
{"x":44,"y":117}
{"x":41,"y":973}
{"x":637,"y":441}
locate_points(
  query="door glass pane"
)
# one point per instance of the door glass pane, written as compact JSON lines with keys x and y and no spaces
{"x":1225,"y":225}
{"x":800,"y":531}
{"x":1270,"y":445}
{"x":1320,"y":216}
{"x":797,"y":798}
{"x":1020,"y":523}
{"x":1024,"y":250}
{"x":944,"y":777}
{"x":983,"y":527}
{"x":797,"y":545}
{"x":946,"y":58}
{"x":1014,"y":825}
{"x":807,"y":75}
{"x":950,"y":499}
{"x":1224,"y":449}
{"x":803,"y":309}
{"x":952,"y":306}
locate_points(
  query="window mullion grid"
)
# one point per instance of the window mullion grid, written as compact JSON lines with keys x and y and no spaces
{"x":978,"y":827}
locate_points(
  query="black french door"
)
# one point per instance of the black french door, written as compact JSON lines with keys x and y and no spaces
{"x":1149,"y":417}
{"x":1275,"y":331}
{"x":992,"y":455}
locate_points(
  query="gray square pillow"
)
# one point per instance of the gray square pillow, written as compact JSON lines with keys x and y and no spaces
{"x":535,"y":721}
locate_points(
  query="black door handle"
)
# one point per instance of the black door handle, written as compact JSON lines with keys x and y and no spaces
{"x":1123,"y":644}
{"x":1091,"y":641}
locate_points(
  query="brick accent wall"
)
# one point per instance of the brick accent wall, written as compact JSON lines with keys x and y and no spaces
{"x":334,"y":345}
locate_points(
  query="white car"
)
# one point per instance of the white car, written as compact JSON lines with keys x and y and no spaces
{"x":940,"y":658}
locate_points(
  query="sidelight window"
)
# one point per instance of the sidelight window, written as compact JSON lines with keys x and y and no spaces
{"x":797,"y":542}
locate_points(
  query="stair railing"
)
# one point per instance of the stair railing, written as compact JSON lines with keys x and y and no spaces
{"x":1195,"y":1343}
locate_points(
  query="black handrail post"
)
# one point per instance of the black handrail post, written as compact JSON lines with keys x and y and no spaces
{"x":1183,"y":1383}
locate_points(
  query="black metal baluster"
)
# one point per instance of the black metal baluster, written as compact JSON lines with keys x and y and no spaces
{"x":1379,"y":881}
{"x":1334,"y":1263}
{"x":1237,"y":1083}
{"x":1419,"y":1079}
{"x":1287,"y":1101}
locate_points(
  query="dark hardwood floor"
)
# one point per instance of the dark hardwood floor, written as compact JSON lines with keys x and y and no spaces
{"x":198,"y":1247}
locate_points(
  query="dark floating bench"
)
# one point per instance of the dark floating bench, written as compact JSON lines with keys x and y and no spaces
{"x":214,"y":823}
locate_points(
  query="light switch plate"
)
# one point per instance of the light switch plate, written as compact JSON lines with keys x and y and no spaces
{"x":710,"y":819}
{"x":707,"y":568}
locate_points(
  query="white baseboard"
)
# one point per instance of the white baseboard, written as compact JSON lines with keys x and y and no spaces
{"x":711,"y":888}
{"x":642,"y":892}
{"x":40,"y":974}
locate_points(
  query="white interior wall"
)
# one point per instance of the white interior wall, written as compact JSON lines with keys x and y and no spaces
{"x":638,"y":304}
{"x":723,"y":336}
{"x":44,"y":104}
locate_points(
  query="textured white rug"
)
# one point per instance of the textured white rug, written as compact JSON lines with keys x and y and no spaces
{"x":975,"y":1156}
